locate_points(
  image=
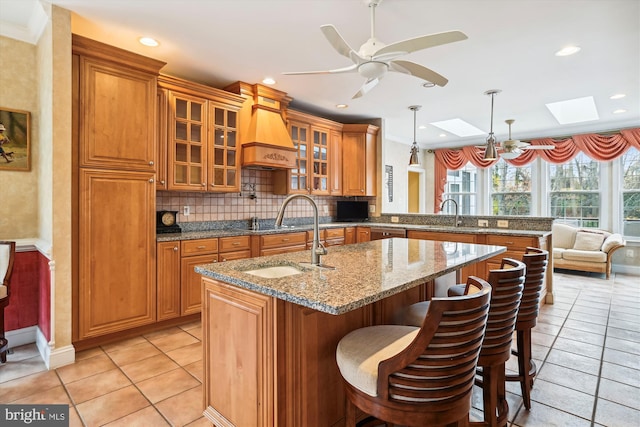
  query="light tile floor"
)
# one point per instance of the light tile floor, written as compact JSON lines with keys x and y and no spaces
{"x":586,"y":345}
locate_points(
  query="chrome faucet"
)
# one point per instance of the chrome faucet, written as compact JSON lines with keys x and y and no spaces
{"x":458,"y":222}
{"x":317,"y":249}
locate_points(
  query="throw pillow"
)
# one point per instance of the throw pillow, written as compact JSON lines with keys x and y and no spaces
{"x":586,"y":241}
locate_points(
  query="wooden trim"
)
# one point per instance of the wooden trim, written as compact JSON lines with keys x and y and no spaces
{"x":90,"y":48}
{"x":228,"y":99}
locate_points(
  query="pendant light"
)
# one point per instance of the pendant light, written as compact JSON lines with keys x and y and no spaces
{"x":414,"y":160}
{"x":491,"y":153}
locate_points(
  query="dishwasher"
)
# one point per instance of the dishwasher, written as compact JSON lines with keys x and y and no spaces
{"x":379,"y":233}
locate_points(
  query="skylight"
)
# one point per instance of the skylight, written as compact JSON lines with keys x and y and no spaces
{"x":458,"y":127}
{"x":574,"y":110}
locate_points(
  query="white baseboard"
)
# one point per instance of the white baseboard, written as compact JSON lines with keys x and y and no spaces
{"x":54,"y":357}
{"x":22,"y":336}
{"x":626,"y":269}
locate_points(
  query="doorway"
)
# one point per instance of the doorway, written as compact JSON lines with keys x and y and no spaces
{"x":415,"y":201}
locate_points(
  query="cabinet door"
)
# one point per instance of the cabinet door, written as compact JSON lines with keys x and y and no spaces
{"x":187,"y":142}
{"x":363,"y":234}
{"x":118,"y":128}
{"x":168,"y":280}
{"x":319,"y":161}
{"x":353,"y":168}
{"x":224,"y":172}
{"x":117,"y":251}
{"x":349,"y":235}
{"x":298,"y":177}
{"x":191,"y":287}
{"x":335,"y":170}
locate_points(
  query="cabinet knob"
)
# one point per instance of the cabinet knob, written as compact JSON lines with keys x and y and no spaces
{"x":236,"y":243}
{"x":162,"y":182}
{"x":151,"y":180}
{"x":151,"y":163}
{"x":175,"y":249}
{"x":204,"y":184}
{"x":362,"y":191}
{"x":201,"y":247}
{"x":224,"y":259}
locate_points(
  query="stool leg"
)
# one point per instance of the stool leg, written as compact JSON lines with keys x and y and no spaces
{"x":525,"y":363}
{"x":350,"y":417}
{"x":490,"y":396}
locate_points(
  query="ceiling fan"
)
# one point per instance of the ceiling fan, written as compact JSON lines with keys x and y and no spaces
{"x":509,"y":149}
{"x":374,"y":58}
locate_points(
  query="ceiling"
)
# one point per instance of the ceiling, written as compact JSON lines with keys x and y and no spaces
{"x":510,"y":46}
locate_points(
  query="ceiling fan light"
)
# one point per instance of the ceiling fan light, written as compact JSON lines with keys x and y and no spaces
{"x":509,"y":154}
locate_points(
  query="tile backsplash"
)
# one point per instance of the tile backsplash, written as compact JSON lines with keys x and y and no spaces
{"x":255,"y":199}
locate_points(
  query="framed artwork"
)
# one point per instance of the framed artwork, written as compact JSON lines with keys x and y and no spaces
{"x":15,"y":140}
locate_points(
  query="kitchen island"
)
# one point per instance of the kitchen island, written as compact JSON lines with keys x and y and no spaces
{"x":271,"y":324}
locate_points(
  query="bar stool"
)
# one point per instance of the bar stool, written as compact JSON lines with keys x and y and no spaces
{"x":536,"y":262}
{"x":417,"y":376}
{"x":507,"y":286}
{"x":7,"y":254}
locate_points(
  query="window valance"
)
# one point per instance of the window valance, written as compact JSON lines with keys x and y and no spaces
{"x":598,"y":147}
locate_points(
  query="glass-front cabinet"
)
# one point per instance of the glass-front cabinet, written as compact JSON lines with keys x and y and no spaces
{"x":187,"y":143}
{"x":202,"y":137}
{"x":311,"y":137}
{"x":224,"y":146}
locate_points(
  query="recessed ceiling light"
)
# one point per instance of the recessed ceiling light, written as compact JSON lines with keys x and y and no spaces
{"x":574,"y":110}
{"x":443,"y":135}
{"x":619,"y":111}
{"x":422,"y":127}
{"x":268,"y":81}
{"x":458,"y":127}
{"x":617,"y":96}
{"x":148,"y":41}
{"x":569,"y":50}
{"x":428,"y":85}
{"x":341,"y":106}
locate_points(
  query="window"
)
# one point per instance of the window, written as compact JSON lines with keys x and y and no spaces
{"x":574,"y":191}
{"x":461,"y":186}
{"x":510,"y":189}
{"x":631,"y":193}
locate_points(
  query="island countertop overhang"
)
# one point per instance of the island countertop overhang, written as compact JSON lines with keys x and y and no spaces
{"x":364,"y":272}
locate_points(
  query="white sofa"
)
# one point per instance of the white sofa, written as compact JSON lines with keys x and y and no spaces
{"x":584,"y":249}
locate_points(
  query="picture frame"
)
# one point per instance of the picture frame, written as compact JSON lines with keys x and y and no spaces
{"x":15,"y":140}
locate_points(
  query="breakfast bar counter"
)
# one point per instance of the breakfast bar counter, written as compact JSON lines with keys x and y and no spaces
{"x":271,"y":324}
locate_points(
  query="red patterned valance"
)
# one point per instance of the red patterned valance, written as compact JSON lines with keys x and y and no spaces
{"x":597,"y":147}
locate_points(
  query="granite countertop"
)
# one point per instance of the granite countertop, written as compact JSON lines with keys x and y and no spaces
{"x":364,"y":272}
{"x":228,"y":232}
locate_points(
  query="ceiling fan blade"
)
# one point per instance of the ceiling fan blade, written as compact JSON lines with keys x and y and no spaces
{"x":336,"y":40}
{"x":350,"y":68}
{"x":539,"y":147}
{"x":366,"y":87}
{"x":419,"y":71}
{"x":422,"y":42}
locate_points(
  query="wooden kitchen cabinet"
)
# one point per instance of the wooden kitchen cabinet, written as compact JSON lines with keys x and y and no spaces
{"x":116,"y":251}
{"x":235,"y":247}
{"x":312,"y":138}
{"x":335,"y":169}
{"x":114,"y":126}
{"x":162,"y":139}
{"x":202,"y":137}
{"x":363,"y":234}
{"x":349,"y":235}
{"x":194,"y":252}
{"x":328,"y":237}
{"x":168,"y":280}
{"x":272,"y":244}
{"x":359,"y":167}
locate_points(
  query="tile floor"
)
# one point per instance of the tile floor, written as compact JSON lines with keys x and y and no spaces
{"x":587,"y":347}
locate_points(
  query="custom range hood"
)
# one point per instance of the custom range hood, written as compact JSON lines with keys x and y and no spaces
{"x":266,"y":143}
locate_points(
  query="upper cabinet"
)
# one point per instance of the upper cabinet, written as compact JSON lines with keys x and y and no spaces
{"x":117,"y":107}
{"x":359,"y":159}
{"x":314,"y":172}
{"x":202,"y":137}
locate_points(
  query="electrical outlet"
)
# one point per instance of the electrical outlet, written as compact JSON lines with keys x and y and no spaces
{"x":325,"y":209}
{"x":483,"y":223}
{"x":503,"y":223}
{"x":372,"y":208}
{"x":629,"y":253}
{"x":186,"y":210}
{"x":395,"y":219}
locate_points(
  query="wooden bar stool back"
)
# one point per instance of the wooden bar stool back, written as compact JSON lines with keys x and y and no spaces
{"x":535,"y":261}
{"x":417,"y":376}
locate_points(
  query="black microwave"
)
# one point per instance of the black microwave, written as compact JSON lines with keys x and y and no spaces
{"x":352,"y":211}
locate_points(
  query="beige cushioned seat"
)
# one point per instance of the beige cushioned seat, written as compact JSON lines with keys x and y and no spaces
{"x":360,"y":352}
{"x":576,"y":255}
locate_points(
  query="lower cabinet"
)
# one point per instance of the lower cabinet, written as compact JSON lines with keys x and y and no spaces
{"x":168,"y":279}
{"x":273,"y":244}
{"x":363,"y":234}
